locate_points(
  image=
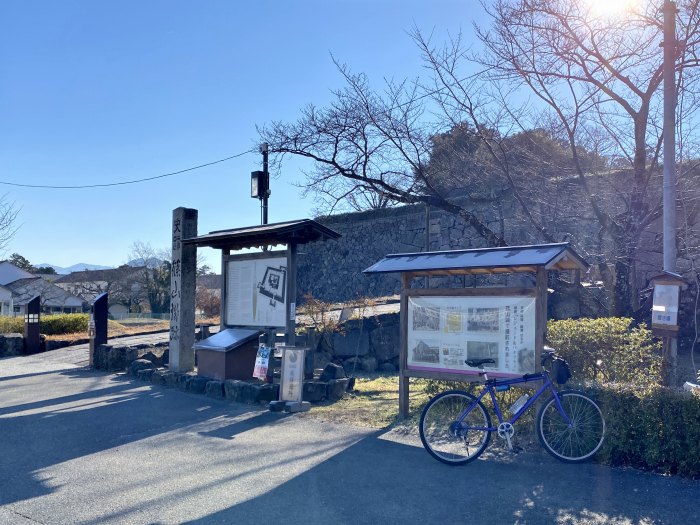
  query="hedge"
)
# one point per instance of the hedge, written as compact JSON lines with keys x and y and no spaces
{"x":55,"y":324}
{"x":607,"y":350}
{"x":653,"y":429}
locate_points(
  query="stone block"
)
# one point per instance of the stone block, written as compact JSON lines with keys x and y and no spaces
{"x":101,"y":353}
{"x":352,"y":365}
{"x":145,"y":374}
{"x":115,"y":359}
{"x":182,"y":380}
{"x":196,"y":384}
{"x":304,"y":406}
{"x":387,"y":367}
{"x":233,"y":388}
{"x":386,"y":341}
{"x":332,"y":371}
{"x":267,"y":392}
{"x":170,"y":379}
{"x":215,"y":389}
{"x":139,"y":364}
{"x":315,"y":391}
{"x":337,"y":387}
{"x":158,"y":377}
{"x":276,"y":406}
{"x":11,"y":344}
{"x":321,"y":359}
{"x":248,"y":392}
{"x":351,"y":343}
{"x":369,"y":364}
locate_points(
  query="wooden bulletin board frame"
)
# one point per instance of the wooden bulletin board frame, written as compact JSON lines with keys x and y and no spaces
{"x":539,"y":293}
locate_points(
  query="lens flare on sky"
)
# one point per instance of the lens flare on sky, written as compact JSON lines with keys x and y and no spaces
{"x":612,"y":7}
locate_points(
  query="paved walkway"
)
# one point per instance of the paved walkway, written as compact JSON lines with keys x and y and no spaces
{"x":86,"y":447}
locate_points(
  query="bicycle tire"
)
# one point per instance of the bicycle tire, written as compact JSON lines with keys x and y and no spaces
{"x":439,"y":434}
{"x":576,"y":443}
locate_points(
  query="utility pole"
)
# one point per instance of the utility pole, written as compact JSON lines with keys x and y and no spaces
{"x":669,"y":175}
{"x":670,"y":341}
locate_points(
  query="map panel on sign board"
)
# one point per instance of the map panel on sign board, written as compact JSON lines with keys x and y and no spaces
{"x":443,"y":332}
{"x":256,"y":292}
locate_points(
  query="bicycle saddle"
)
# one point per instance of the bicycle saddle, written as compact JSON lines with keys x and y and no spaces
{"x":476,"y":363}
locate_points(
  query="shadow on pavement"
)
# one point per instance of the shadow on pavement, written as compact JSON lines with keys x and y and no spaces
{"x":52,"y":430}
{"x":381,"y":481}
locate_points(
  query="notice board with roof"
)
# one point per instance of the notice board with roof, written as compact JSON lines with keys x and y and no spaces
{"x":259,"y":288}
{"x":443,"y":327}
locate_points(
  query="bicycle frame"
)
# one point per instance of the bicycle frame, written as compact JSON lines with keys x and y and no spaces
{"x":491,"y":386}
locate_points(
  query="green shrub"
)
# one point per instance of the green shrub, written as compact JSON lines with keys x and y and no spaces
{"x":653,"y":428}
{"x":63,"y":324}
{"x":607,"y":350}
{"x":57,"y":324}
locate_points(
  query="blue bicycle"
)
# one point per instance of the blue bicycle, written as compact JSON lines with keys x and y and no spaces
{"x":455,"y":427}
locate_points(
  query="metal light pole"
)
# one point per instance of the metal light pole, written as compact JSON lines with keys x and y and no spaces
{"x":263,"y":150}
{"x":260,"y":184}
{"x":669,"y":175}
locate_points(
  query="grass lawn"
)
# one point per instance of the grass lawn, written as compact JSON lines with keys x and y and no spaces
{"x":373,"y":403}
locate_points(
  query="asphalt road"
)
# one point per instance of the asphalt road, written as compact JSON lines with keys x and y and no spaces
{"x":85,"y":447}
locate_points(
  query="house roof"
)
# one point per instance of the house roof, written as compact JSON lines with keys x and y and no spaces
{"x":9,"y":272}
{"x":24,"y":290}
{"x":508,"y":259}
{"x":298,"y":232}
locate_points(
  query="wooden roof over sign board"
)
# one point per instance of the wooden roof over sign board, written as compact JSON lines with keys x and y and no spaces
{"x":558,"y":256}
{"x":297,"y":232}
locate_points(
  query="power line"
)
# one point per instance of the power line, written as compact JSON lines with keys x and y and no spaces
{"x":124,"y":183}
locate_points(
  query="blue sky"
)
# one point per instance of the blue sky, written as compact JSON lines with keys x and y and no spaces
{"x":108,"y":91}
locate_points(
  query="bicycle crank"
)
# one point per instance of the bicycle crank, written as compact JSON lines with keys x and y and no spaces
{"x":506,"y":431}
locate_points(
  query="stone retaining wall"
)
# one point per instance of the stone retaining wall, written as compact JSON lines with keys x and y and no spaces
{"x":11,"y":345}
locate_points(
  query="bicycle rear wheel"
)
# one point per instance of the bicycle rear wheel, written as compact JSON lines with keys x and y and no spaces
{"x":576,"y":442}
{"x":445,"y":439}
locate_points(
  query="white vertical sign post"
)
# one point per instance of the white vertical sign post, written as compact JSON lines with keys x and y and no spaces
{"x":292,"y":381}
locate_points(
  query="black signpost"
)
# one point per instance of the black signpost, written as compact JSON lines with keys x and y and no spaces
{"x":32,"y":334}
{"x":100,"y":311}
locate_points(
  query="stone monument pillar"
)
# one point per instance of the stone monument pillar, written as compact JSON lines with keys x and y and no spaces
{"x":182,"y":291}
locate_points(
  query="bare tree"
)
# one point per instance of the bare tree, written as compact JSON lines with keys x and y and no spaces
{"x":8,"y":220}
{"x":366,"y":143}
{"x":565,"y":103}
{"x":598,"y":79}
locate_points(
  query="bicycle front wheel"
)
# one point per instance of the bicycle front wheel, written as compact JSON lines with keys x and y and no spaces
{"x":448,"y":440}
{"x":573,"y":442}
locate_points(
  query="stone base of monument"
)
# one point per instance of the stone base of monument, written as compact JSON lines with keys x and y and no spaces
{"x":289,"y":406}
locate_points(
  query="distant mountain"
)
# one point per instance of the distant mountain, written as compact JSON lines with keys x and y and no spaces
{"x":75,"y":268}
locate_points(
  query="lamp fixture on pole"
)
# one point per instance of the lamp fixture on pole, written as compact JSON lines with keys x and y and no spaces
{"x":260,"y":184}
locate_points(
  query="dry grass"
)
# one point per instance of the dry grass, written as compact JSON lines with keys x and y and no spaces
{"x":374,"y":403}
{"x":129,"y":327}
{"x":118,"y":328}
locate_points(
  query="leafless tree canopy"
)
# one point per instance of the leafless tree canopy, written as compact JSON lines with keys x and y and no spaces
{"x":555,"y":101}
{"x":8,"y":222}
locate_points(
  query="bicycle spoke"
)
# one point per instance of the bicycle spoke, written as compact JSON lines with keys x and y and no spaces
{"x":448,"y":433}
{"x":577,"y":441}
